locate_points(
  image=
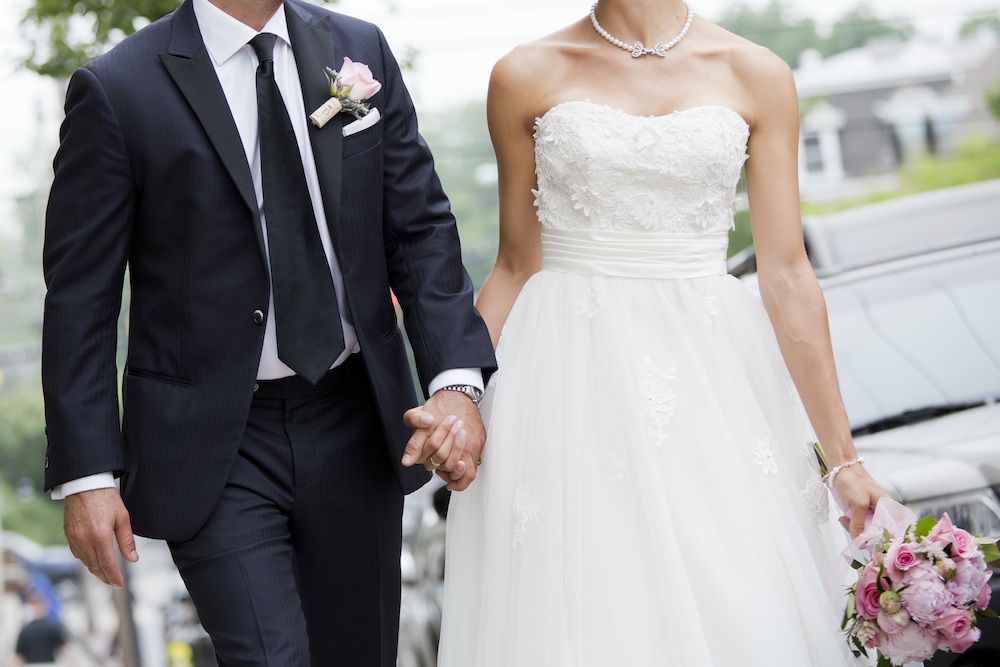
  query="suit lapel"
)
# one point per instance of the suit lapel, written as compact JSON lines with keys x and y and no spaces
{"x":191,"y":68}
{"x":312,"y":43}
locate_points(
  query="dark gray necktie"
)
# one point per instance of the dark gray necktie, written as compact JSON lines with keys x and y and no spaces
{"x":306,"y":316}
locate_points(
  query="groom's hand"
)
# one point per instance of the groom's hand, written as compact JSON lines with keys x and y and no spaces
{"x":93,"y":521}
{"x":448,"y":438}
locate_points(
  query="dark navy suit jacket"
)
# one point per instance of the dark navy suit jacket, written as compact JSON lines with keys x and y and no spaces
{"x":151,"y":174}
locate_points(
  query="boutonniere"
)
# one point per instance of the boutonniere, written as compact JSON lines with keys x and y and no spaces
{"x":349,"y":88}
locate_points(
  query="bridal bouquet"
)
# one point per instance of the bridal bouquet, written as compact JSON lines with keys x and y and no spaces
{"x":920,"y":586}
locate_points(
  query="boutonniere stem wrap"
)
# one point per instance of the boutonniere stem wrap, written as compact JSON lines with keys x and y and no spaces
{"x":349,"y":88}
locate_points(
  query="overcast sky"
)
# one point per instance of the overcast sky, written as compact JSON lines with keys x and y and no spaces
{"x":457,"y":40}
{"x":463,"y":38}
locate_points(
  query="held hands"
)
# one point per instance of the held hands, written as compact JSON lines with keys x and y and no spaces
{"x":93,"y":521}
{"x":448,"y":438}
{"x":857,"y":494}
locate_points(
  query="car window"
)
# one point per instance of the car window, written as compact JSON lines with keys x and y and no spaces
{"x":917,"y":337}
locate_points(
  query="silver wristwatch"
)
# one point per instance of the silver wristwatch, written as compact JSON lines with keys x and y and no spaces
{"x":473,"y":392}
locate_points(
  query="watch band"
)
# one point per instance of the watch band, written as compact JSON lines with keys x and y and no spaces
{"x":474,"y":393}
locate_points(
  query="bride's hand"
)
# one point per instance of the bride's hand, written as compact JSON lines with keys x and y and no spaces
{"x":857,"y":494}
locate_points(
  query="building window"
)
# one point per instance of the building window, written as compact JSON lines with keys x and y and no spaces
{"x":813,"y":153}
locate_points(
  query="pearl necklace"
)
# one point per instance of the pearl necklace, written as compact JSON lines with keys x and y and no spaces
{"x":638,"y":49}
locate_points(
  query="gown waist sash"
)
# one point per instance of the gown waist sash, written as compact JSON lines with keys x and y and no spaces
{"x":657,"y":255}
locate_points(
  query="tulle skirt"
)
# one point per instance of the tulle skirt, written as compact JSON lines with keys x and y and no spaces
{"x":648,"y":493}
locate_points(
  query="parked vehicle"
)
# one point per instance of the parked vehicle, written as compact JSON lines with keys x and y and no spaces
{"x":913,"y":295}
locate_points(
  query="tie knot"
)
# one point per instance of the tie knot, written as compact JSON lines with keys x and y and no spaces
{"x":263,"y":46}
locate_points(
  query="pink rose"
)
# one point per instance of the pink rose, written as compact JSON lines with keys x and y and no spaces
{"x":963,"y":545}
{"x":357,"y":77}
{"x":900,"y":558}
{"x":866,"y":596}
{"x":983,"y":600}
{"x":925,"y":596}
{"x":911,"y":644}
{"x":942,"y":531}
{"x":958,"y":632}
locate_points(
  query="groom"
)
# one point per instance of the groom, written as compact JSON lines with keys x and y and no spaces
{"x":262,"y":396}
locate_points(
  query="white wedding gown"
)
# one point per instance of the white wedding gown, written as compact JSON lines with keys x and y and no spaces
{"x":648,"y":495}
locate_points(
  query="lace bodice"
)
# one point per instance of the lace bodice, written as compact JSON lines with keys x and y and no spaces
{"x":601,"y":168}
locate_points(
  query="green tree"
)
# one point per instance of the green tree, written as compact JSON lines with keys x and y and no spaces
{"x":70,"y":34}
{"x":463,"y":156}
{"x":858,"y":26}
{"x":993,"y":100}
{"x":22,"y":436}
{"x":973,"y":25}
{"x":774,"y":26}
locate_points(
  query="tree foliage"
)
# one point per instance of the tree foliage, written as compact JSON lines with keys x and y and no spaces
{"x":974,"y":25}
{"x":67,"y":35}
{"x":774,"y":26}
{"x":22,"y":436}
{"x":859,"y":26}
{"x":464,"y":159}
{"x":993,"y":100}
{"x":778,"y":28}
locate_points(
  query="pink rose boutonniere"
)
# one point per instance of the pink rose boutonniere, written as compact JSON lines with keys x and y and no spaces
{"x":349,"y":88}
{"x":920,"y":587}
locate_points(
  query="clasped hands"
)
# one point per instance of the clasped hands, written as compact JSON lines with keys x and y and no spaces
{"x":448,"y":438}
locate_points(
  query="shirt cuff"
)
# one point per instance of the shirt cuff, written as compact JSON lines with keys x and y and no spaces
{"x":473,"y":376}
{"x":102,"y":480}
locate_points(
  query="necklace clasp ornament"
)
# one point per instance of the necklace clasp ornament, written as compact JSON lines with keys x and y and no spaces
{"x":639,"y":49}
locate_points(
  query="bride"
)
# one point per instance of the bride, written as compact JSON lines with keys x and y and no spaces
{"x":649,"y":495}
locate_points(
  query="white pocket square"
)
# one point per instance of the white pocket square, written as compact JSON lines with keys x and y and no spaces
{"x":362,"y":123}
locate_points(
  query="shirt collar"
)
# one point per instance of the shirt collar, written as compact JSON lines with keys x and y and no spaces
{"x":224,"y":36}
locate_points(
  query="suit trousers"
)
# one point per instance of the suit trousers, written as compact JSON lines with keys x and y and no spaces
{"x":298,"y":563}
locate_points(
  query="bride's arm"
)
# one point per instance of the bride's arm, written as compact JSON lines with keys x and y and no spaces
{"x":788,"y":286}
{"x":511,"y":119}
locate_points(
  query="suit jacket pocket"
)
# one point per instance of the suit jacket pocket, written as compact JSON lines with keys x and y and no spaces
{"x":363,"y":141}
{"x":158,"y":377}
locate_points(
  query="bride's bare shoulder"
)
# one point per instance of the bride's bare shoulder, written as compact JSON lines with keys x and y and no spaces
{"x":749,"y":61}
{"x":538,"y":66}
{"x":761,"y":81}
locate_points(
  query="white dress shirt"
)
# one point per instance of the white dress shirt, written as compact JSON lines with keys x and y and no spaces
{"x":227,"y":41}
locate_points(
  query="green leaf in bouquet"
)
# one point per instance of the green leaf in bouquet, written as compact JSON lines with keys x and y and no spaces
{"x":884,"y":661}
{"x":925,"y":525}
{"x":987,"y":613}
{"x":848,"y":612}
{"x":824,"y":467}
{"x":990,"y":550}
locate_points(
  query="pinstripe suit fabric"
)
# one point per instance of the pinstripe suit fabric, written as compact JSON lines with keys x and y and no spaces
{"x":151,"y":174}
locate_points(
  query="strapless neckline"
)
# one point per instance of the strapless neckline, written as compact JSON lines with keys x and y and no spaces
{"x":621,"y":112}
{"x":602,"y":168}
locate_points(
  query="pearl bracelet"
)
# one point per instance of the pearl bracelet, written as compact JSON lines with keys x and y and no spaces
{"x":830,"y":476}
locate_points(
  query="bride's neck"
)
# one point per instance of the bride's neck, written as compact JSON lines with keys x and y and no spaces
{"x":648,"y":21}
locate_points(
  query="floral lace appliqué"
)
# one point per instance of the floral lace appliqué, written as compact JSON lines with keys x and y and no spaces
{"x":659,"y":399}
{"x":764,"y":457}
{"x":817,"y":499}
{"x":708,"y":306}
{"x":585,"y":199}
{"x":590,"y":304}
{"x":526,"y":512}
{"x":616,"y":468}
{"x":672,"y":173}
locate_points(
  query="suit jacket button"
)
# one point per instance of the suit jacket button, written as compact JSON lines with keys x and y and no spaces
{"x":46,"y":463}
{"x":256,"y":386}
{"x":258,"y":317}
